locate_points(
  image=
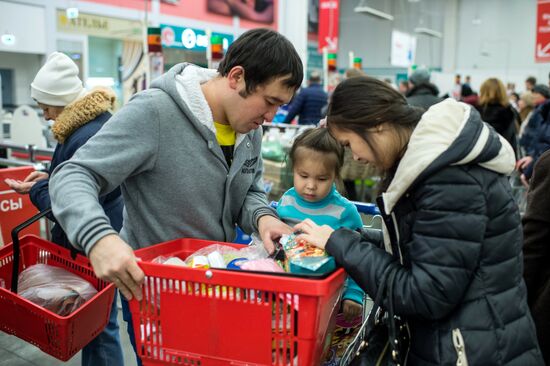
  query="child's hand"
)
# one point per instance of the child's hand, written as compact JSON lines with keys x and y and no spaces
{"x":351,"y":310}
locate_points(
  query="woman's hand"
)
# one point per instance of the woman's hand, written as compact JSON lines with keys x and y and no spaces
{"x":24,"y":187}
{"x":313,"y":233}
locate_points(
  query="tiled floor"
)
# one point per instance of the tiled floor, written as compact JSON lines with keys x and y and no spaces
{"x":15,"y":352}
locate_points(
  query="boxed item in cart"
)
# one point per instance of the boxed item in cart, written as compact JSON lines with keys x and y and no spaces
{"x":304,"y":258}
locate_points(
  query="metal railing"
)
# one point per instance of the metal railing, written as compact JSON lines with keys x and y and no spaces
{"x":281,"y":125}
{"x":32,"y":150}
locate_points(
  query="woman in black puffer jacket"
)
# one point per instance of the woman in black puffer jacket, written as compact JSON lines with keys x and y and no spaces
{"x":450,"y":219}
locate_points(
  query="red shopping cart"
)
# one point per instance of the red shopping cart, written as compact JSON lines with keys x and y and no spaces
{"x":222,"y":317}
{"x":59,"y":336}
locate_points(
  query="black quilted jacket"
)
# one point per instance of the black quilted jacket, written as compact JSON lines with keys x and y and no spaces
{"x":451,"y":218}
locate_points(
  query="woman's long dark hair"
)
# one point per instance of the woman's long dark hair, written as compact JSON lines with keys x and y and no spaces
{"x":363,"y":103}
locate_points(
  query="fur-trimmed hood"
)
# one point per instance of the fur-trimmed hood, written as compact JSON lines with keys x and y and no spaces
{"x":82,"y":111}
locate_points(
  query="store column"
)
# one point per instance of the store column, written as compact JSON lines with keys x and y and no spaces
{"x":293,"y":25}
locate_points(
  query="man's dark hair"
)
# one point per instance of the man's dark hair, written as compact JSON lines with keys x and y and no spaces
{"x":265,"y":55}
{"x":531,"y":80}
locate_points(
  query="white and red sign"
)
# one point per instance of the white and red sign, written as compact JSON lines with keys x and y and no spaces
{"x":14,"y":207}
{"x":542,"y":47}
{"x":328,"y":25}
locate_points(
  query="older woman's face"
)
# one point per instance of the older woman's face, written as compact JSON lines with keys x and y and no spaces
{"x":50,"y":112}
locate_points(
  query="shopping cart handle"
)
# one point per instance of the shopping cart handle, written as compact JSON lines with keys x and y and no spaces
{"x":367,"y":208}
{"x":15,"y":240}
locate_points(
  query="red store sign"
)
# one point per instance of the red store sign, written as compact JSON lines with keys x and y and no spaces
{"x":542,"y":47}
{"x":328,"y":25}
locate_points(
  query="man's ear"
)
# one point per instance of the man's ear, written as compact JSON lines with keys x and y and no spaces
{"x":235,"y":76}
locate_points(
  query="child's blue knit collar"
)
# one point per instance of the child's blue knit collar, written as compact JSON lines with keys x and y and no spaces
{"x":322,"y":203}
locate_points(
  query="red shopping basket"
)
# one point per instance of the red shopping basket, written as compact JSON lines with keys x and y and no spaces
{"x":59,"y":336}
{"x":221,"y":317}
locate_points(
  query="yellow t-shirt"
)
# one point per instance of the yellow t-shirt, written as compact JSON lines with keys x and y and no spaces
{"x":226,"y":137}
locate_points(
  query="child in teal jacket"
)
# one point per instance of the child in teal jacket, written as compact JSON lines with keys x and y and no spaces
{"x":316,"y":163}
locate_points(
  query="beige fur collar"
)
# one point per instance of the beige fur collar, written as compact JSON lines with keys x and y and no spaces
{"x":82,"y":111}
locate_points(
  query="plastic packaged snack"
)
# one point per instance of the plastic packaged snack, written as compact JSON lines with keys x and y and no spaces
{"x":54,"y":288}
{"x":221,"y":256}
{"x":216,"y":260}
{"x":265,"y":265}
{"x":174,"y":261}
{"x":226,"y":252}
{"x":303,"y":255}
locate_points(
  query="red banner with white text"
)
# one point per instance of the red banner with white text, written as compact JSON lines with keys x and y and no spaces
{"x":542,"y":48}
{"x":328,"y":25}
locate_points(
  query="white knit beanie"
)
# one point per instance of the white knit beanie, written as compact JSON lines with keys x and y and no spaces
{"x":57,"y":82}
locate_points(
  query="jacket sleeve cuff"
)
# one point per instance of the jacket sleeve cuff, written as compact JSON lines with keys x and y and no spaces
{"x":353,"y":292}
{"x":263,"y":211}
{"x":336,"y":245}
{"x":91,"y":237}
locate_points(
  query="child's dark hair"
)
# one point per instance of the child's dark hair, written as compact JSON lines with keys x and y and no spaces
{"x":319,"y":140}
{"x":265,"y":55}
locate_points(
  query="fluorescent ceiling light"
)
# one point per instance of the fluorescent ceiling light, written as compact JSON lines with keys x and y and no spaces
{"x":428,"y":32}
{"x":372,"y":11}
{"x":8,"y":39}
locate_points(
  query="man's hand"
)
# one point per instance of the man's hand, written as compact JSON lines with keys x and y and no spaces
{"x":523,"y":163}
{"x":113,"y":260}
{"x":313,"y":233}
{"x":24,"y":187}
{"x":351,"y":310}
{"x":270,"y":229}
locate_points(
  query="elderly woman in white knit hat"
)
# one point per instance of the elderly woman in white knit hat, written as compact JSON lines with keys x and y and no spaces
{"x":77,"y":116}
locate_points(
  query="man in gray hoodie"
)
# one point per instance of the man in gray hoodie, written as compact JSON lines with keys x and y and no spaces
{"x":187,"y":156}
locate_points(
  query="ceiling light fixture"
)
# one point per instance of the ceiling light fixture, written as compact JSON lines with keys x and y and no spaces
{"x":372,"y":11}
{"x":428,"y":32}
{"x":8,"y":39}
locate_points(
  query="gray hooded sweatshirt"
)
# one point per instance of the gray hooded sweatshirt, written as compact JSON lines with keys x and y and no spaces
{"x":161,"y":148}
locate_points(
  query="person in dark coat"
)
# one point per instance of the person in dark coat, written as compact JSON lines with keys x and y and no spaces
{"x":308,"y":103}
{"x":495,"y":109}
{"x":467,"y":95}
{"x":77,"y":116}
{"x":421,"y":92}
{"x":452,"y":229}
{"x":536,"y":136}
{"x":536,"y":251}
